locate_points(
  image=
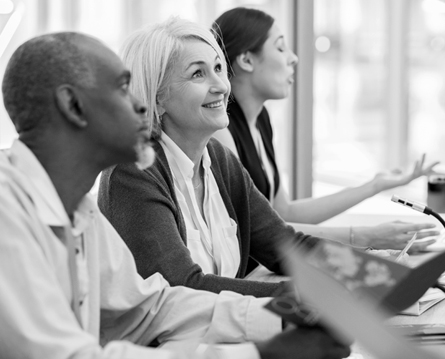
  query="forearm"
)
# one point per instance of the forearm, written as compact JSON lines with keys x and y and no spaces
{"x":352,"y":235}
{"x":268,"y":230}
{"x":316,"y":210}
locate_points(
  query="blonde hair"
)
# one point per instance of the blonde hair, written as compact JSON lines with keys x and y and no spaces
{"x":151,"y":54}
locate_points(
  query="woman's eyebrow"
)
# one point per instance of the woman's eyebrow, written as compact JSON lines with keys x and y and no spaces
{"x":200,"y":62}
{"x":281,"y":37}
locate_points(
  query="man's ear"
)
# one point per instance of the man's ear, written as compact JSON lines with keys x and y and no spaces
{"x":70,"y":105}
{"x":245,"y":61}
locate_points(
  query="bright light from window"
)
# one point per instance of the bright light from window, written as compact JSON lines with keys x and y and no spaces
{"x":322,"y":44}
{"x":437,"y":43}
{"x":6,"y":6}
{"x":433,"y":6}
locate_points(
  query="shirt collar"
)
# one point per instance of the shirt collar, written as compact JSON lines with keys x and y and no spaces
{"x":45,"y":197}
{"x":184,"y":163}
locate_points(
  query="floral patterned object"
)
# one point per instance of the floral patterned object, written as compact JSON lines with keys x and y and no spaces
{"x":359,"y":271}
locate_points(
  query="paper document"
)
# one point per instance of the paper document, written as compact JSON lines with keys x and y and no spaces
{"x":340,"y":310}
{"x":391,"y":285}
{"x":429,"y":299}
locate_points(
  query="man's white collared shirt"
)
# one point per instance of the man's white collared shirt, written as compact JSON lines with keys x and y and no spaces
{"x":119,"y":307}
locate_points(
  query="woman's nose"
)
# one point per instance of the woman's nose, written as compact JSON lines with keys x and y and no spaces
{"x":220,"y":84}
{"x":293,"y":59}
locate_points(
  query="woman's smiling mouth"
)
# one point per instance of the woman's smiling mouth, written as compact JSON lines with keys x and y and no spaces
{"x":215,"y":104}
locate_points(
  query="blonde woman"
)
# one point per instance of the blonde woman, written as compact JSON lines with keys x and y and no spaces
{"x":195,"y":216}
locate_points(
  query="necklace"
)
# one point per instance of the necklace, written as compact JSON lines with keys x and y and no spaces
{"x":196,"y":187}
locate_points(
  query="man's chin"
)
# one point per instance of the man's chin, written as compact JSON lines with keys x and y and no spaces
{"x":145,"y":155}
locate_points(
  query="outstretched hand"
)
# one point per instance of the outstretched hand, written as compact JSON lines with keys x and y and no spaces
{"x":303,"y":343}
{"x":395,"y":235}
{"x":396,"y":178}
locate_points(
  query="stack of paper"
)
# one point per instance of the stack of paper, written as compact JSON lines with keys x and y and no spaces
{"x":430,"y":298}
{"x":348,"y":317}
{"x":390,"y":286}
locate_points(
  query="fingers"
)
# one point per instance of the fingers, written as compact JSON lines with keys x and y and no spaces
{"x":415,"y":227}
{"x":418,"y":247}
{"x":419,"y":170}
{"x":422,"y":160}
{"x":429,"y":169}
{"x":424,"y":234}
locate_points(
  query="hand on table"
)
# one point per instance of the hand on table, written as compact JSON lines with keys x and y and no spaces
{"x":391,"y":254}
{"x":395,"y":235}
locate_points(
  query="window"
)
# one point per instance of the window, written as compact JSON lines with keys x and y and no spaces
{"x":378,"y":89}
{"x":113,"y":20}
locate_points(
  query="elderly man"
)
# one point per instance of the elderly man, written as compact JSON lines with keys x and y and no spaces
{"x":69,"y":286}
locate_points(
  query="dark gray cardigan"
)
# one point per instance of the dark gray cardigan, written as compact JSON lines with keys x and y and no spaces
{"x":143,"y":208}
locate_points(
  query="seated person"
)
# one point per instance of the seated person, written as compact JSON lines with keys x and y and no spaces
{"x":262,"y":69}
{"x":195,"y":216}
{"x":69,"y":286}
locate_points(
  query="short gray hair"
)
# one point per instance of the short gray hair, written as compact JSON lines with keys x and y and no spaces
{"x":35,"y":69}
{"x":151,"y":54}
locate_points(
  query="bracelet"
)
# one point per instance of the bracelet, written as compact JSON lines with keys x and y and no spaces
{"x":351,"y":236}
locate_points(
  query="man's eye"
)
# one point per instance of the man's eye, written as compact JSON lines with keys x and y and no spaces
{"x":125,"y":87}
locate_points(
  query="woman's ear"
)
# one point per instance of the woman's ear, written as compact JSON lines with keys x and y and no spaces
{"x":245,"y":61}
{"x":160,"y":109}
{"x":70,"y":105}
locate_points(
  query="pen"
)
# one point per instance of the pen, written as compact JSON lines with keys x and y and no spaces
{"x":408,"y":246}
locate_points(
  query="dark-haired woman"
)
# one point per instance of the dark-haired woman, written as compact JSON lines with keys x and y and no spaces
{"x":262,"y":69}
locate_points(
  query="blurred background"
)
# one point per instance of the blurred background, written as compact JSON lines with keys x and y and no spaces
{"x":369,"y":94}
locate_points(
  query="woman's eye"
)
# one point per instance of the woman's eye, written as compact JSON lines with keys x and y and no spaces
{"x":218,"y":68}
{"x":197,"y":73}
{"x":125,"y":87}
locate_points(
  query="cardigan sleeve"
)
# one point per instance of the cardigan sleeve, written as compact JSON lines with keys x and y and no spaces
{"x":268,"y":230}
{"x":139,"y":204}
{"x":261,"y":227}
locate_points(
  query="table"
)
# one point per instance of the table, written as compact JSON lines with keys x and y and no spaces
{"x":436,"y":314}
